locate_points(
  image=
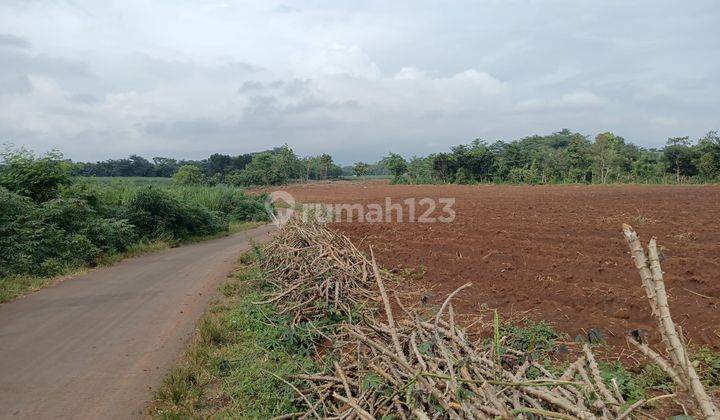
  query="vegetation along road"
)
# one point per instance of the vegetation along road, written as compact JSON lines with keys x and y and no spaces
{"x":97,"y":346}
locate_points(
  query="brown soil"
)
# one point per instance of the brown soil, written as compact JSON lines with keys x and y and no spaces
{"x":553,"y":253}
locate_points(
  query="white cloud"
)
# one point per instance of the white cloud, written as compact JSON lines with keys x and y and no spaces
{"x":336,"y":59}
{"x":567,"y":101}
{"x":187,"y":78}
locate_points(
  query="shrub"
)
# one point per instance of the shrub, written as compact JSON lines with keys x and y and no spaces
{"x":156,"y":213}
{"x":39,"y":178}
{"x":231,"y":202}
{"x":45,"y":240}
{"x":189,"y":175}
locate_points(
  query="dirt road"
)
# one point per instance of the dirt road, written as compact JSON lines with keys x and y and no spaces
{"x":97,"y":346}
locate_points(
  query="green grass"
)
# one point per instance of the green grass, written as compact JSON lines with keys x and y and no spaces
{"x":229,"y":371}
{"x":139,"y":180}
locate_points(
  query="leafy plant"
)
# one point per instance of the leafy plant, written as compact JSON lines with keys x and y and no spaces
{"x":189,"y":175}
{"x":530,"y":337}
{"x":39,"y":178}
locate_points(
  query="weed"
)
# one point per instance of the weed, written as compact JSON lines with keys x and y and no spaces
{"x":181,"y":387}
{"x":230,"y":288}
{"x":707,"y":361}
{"x":631,"y":388}
{"x":653,"y":377}
{"x":531,"y":337}
{"x":212,"y":332}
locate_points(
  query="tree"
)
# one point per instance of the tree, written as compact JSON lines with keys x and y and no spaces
{"x":285,"y":165}
{"x":579,"y":158}
{"x":397,"y":165}
{"x":361,"y":169}
{"x":219,"y":164}
{"x":139,"y":166}
{"x":325,"y":162}
{"x":605,"y":154}
{"x":39,"y":178}
{"x":165,"y":167}
{"x":680,"y":155}
{"x":444,"y":167}
{"x":189,"y":175}
{"x":709,"y":161}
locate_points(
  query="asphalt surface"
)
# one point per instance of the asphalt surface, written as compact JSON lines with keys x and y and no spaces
{"x":98,"y":346}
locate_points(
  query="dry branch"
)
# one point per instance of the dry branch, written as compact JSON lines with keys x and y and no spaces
{"x":413,"y":366}
{"x":681,"y":369}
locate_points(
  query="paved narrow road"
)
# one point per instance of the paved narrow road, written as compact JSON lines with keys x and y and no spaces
{"x":97,"y":346}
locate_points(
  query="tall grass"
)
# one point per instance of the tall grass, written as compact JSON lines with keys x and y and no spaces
{"x":224,"y":199}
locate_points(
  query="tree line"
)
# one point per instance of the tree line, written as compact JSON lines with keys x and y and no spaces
{"x":560,"y":157}
{"x":563,"y":157}
{"x":277,"y":166}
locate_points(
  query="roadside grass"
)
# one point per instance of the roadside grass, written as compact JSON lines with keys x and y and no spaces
{"x":233,"y":366}
{"x":15,"y":286}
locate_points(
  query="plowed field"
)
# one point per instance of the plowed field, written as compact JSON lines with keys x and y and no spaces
{"x":553,"y":253}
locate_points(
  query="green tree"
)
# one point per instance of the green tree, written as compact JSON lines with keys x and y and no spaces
{"x":397,"y":165}
{"x":325,"y":162}
{"x":189,"y":175}
{"x":164,"y":167}
{"x":361,"y":169}
{"x":579,"y":159}
{"x":709,"y":152}
{"x":420,"y":170}
{"x":285,"y":166}
{"x":39,"y":178}
{"x":680,"y":156}
{"x":605,"y":155}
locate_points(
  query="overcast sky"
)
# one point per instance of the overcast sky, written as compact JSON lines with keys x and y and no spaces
{"x":101,"y":79}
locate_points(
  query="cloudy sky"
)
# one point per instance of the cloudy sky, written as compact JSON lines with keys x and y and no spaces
{"x":181,"y":78}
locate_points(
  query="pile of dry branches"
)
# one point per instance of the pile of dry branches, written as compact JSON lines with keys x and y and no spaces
{"x":315,"y":272}
{"x":415,"y":366}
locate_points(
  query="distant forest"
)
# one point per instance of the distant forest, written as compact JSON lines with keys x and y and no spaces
{"x":561,"y":157}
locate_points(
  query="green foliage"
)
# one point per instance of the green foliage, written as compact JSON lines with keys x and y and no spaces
{"x":420,"y":171}
{"x":189,"y":175}
{"x":48,"y":238}
{"x":681,"y":157}
{"x":361,"y":169}
{"x":397,"y":165}
{"x":631,"y":388}
{"x":39,"y":178}
{"x":231,"y":202}
{"x":707,"y":362}
{"x":157,"y":213}
{"x":530,"y":337}
{"x":567,"y":157}
{"x":268,"y":168}
{"x":89,"y":221}
{"x":652,"y":377}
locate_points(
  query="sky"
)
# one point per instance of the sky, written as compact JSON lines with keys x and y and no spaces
{"x":185,"y":79}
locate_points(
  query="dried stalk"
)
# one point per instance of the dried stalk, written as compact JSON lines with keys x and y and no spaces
{"x":426,"y":367}
{"x":682,"y":368}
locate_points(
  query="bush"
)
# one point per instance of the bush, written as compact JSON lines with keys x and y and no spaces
{"x":231,"y":202}
{"x":73,"y":215}
{"x":156,"y":213}
{"x":37,"y":178}
{"x":46,"y":239}
{"x":189,"y":175}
